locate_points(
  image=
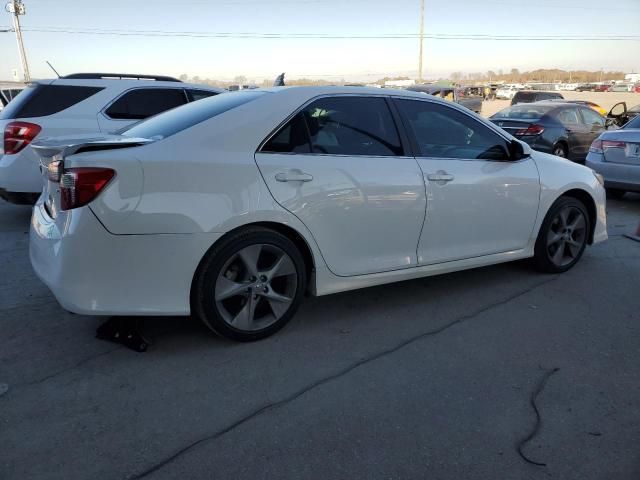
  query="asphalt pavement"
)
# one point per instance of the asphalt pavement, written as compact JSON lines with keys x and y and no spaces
{"x":436,"y":378}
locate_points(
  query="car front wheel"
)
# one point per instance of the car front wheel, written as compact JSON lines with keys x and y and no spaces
{"x":563,"y":236}
{"x":250,"y":285}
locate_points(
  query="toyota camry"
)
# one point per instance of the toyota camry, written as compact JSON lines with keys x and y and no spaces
{"x":234,"y":207}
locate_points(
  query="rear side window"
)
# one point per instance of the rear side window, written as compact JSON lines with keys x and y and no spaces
{"x":42,"y":100}
{"x":174,"y":121}
{"x":143,"y":103}
{"x":292,"y":138}
{"x":340,"y":126}
{"x":199,"y":94}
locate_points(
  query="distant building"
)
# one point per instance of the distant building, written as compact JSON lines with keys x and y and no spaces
{"x":399,"y":83}
{"x":632,"y":77}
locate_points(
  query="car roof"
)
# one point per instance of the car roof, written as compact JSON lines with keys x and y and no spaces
{"x":313,"y":91}
{"x":556,"y":103}
{"x":124,"y":83}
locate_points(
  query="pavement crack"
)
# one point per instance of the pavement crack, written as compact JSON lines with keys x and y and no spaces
{"x":68,"y":369}
{"x":536,"y":428}
{"x":330,"y":378}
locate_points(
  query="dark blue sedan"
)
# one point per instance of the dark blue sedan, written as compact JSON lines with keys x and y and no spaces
{"x":562,"y":129}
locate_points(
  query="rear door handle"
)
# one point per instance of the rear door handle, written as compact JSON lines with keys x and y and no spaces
{"x":293,"y":176}
{"x":440,"y":177}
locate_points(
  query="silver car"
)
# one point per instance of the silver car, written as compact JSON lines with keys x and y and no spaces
{"x":616,"y":156}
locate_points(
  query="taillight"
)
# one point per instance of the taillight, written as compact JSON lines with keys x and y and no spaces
{"x":79,"y":186}
{"x":613,"y":144}
{"x":596,"y":147}
{"x":531,"y":130}
{"x":18,"y":135}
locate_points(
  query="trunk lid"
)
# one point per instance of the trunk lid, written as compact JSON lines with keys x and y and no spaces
{"x":621,"y":146}
{"x":52,"y":153}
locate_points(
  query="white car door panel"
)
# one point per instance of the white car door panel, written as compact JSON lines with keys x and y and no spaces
{"x":364,"y":210}
{"x":479,"y":201}
{"x":479,"y":208}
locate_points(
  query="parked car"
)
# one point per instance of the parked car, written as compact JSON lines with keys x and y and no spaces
{"x":620,"y":115}
{"x":231,"y":208}
{"x":530,"y":96}
{"x":472,"y":102}
{"x":85,"y":102}
{"x":562,"y":129}
{"x":616,"y":156}
{"x":586,"y":103}
{"x":621,"y":87}
{"x":586,"y":87}
{"x":506,"y":92}
{"x":636,"y":88}
{"x":602,"y":88}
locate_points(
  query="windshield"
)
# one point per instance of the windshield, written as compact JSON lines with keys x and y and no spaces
{"x":173,"y":121}
{"x":635,"y":109}
{"x":529,"y":111}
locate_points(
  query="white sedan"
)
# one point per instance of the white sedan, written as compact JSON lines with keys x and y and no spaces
{"x":233,"y":207}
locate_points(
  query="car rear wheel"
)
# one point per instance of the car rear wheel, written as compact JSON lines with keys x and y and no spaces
{"x":249,"y":286}
{"x":563,"y":236}
{"x":560,"y":150}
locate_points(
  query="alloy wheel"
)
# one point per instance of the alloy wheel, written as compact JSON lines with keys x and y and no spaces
{"x":566,"y":236}
{"x":255,"y":287}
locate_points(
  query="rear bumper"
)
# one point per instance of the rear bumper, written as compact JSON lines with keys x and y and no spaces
{"x":93,"y":272}
{"x":20,"y":173}
{"x":19,"y":198}
{"x":622,"y":176}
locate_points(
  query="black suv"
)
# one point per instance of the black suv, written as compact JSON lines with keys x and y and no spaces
{"x":530,"y":96}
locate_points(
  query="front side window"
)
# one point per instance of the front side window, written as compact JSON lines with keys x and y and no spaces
{"x":591,"y":118}
{"x":445,"y":132}
{"x":143,"y":103}
{"x":340,"y":126}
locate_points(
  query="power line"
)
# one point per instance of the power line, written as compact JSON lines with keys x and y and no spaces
{"x":330,"y":36}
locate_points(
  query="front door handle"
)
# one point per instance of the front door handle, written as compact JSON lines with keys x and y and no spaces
{"x":293,"y":176}
{"x":440,"y":177}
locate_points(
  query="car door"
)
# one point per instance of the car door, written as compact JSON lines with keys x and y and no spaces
{"x":340,"y":167}
{"x":576,"y":131}
{"x":594,"y":126}
{"x":479,"y":202}
{"x":137,"y":104}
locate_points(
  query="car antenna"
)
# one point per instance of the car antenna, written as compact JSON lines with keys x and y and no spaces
{"x":54,"y":70}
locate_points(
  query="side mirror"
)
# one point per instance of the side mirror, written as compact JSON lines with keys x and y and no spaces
{"x":517,"y":150}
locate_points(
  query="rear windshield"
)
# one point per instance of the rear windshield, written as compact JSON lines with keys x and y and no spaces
{"x":634,"y":123}
{"x":173,"y":121}
{"x":525,"y":96}
{"x":41,"y":100}
{"x":526,"y":112}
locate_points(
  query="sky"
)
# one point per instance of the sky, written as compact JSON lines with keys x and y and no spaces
{"x":349,"y":58}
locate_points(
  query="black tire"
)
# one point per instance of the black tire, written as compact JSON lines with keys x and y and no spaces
{"x":211,"y":311}
{"x":560,"y":150}
{"x":542,"y":258}
{"x":615,"y":193}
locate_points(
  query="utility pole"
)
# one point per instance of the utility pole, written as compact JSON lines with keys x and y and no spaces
{"x":421,"y":40}
{"x":16,"y":8}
